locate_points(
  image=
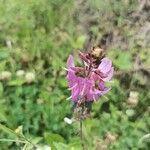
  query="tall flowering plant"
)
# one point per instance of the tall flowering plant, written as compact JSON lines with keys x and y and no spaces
{"x":88,"y":83}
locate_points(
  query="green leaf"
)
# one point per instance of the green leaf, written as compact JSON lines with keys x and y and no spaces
{"x":7,"y":130}
{"x":2,"y":113}
{"x":61,"y":146}
{"x":4,"y":55}
{"x":80,"y":41}
{"x":35,"y":141}
{"x":123,"y":61}
{"x":17,"y":82}
{"x":51,"y":138}
{"x":1,"y":89}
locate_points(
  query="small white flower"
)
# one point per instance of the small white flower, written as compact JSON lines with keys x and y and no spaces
{"x":20,"y":73}
{"x":130,"y":112}
{"x":133,"y":99}
{"x":45,"y":147}
{"x":5,"y":75}
{"x":30,"y":77}
{"x":68,"y":121}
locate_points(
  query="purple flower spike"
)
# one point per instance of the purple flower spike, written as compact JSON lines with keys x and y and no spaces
{"x":88,"y":83}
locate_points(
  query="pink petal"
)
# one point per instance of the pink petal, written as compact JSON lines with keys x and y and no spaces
{"x":70,"y":61}
{"x":101,"y":85}
{"x":75,"y":94}
{"x":88,"y":84}
{"x":105,"y":91}
{"x":105,"y":66}
{"x":72,"y":79}
{"x":109,"y":75}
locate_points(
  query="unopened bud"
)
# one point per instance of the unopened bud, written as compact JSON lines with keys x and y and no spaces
{"x":19,"y":130}
{"x":84,"y":57}
{"x":97,"y":52}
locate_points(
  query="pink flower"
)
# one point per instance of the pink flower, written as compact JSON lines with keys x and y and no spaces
{"x":105,"y":70}
{"x":88,"y":86}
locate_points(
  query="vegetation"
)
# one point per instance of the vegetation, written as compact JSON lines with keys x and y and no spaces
{"x":36,"y":37}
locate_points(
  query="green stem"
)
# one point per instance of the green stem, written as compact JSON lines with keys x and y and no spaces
{"x":11,"y":140}
{"x":17,"y":134}
{"x":81,"y":128}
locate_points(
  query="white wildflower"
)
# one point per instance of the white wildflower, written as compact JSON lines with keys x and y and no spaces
{"x":20,"y":73}
{"x":30,"y":77}
{"x":5,"y":75}
{"x":133,"y":98}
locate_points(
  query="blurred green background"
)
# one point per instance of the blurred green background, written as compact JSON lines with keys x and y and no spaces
{"x":36,"y":37}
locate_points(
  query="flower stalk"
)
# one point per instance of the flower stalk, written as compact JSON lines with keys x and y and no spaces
{"x":87,"y":83}
{"x":81,"y":128}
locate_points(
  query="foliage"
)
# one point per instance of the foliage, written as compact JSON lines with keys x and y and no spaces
{"x":37,"y":36}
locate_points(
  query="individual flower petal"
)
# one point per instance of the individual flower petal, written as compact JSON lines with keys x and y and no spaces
{"x":72,"y":78}
{"x":95,"y":93}
{"x":70,"y":61}
{"x":87,"y":85}
{"x":105,"y":66}
{"x":75,"y":94}
{"x":109,"y":75}
{"x":101,"y":85}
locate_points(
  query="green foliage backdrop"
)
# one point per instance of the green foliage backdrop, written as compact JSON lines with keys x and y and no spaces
{"x":37,"y":36}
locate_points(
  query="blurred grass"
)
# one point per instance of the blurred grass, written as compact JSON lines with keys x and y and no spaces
{"x":37,"y":37}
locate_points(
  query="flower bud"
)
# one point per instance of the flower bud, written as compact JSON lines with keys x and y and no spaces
{"x":5,"y":75}
{"x":84,"y":57}
{"x":30,"y":77}
{"x":97,"y":52}
{"x":19,"y":130}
